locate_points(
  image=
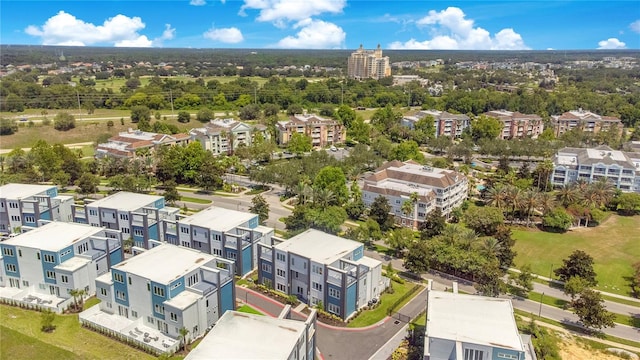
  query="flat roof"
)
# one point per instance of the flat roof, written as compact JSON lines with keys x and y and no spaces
{"x":218,"y":219}
{"x":369,"y":262}
{"x":270,"y":338}
{"x":54,"y":236}
{"x":319,"y":246}
{"x":126,"y":201}
{"x":183,"y":300}
{"x":21,"y":191}
{"x":73,"y":264}
{"x":164,"y":263}
{"x":472,"y":319}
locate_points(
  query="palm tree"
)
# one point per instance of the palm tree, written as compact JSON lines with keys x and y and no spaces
{"x":467,"y":238}
{"x":183,"y":336}
{"x":544,"y":170}
{"x":490,"y":247}
{"x":546,"y":202}
{"x":451,"y":233}
{"x":323,"y":197}
{"x":410,"y":208}
{"x":496,"y":196}
{"x":512,"y":196}
{"x":603,"y":191}
{"x":530,"y":201}
{"x":75,"y":293}
{"x":568,"y":194}
{"x":304,"y":192}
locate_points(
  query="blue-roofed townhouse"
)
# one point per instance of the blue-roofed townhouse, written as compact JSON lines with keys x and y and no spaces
{"x":148,"y":298}
{"x":319,"y":267}
{"x":136,"y":215}
{"x":26,"y":204}
{"x":41,"y":266}
{"x":231,"y":234}
{"x":472,"y":327}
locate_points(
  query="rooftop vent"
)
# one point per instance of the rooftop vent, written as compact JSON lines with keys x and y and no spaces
{"x":427,"y":168}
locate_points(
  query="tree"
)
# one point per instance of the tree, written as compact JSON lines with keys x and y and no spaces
{"x":8,"y":127}
{"x":399,"y":239}
{"x":580,"y":264}
{"x":346,"y":115}
{"x":140,"y":113}
{"x":75,"y":293}
{"x":328,"y":219}
{"x":183,"y":335}
{"x":249,"y":112}
{"x":261,"y":207}
{"x":380,"y":212}
{"x":332,"y":178}
{"x":505,"y":253}
{"x":64,"y":121}
{"x":433,"y":224}
{"x":46,"y":321}
{"x":417,"y":258}
{"x":171,"y":194}
{"x":87,"y":184}
{"x":299,"y":144}
{"x":184,"y":117}
{"x":589,"y":307}
{"x":205,"y":115}
{"x":524,"y":279}
{"x":557,"y":219}
{"x":355,"y":209}
{"x":635,"y":279}
{"x":628,"y":203}
{"x":271,"y":110}
{"x":485,"y":127}
{"x":484,"y":220}
{"x":294,"y":109}
{"x":574,"y":286}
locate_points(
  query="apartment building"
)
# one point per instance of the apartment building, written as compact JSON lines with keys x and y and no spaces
{"x":365,"y":64}
{"x":518,"y":125}
{"x":620,"y":168}
{"x":135,"y":215}
{"x":230,"y":234}
{"x":224,"y":136}
{"x":150,"y":297}
{"x":585,"y":120}
{"x":435,"y":188}
{"x":461,"y":326}
{"x":41,"y":266}
{"x":319,"y":267}
{"x":323,"y":132}
{"x":26,"y":204}
{"x":446,"y":124}
{"x":271,"y":338}
{"x":128,"y":143}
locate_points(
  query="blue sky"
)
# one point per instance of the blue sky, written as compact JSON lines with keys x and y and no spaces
{"x":324,"y":24}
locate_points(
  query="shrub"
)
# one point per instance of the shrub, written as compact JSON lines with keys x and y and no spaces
{"x":46,"y":321}
{"x":557,"y":219}
{"x":8,"y":127}
{"x":64,"y":121}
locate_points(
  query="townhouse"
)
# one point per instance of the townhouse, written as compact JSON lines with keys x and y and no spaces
{"x":148,"y":298}
{"x":586,"y":121}
{"x":318,"y":267}
{"x":128,"y":144}
{"x":434,"y":188}
{"x":618,"y":167}
{"x":461,"y":326}
{"x":446,"y":124}
{"x":137,"y":216}
{"x":518,"y":125}
{"x":323,"y":132}
{"x":230,"y":234}
{"x":271,"y":338}
{"x":224,"y":136}
{"x":41,"y":266}
{"x":26,"y":204}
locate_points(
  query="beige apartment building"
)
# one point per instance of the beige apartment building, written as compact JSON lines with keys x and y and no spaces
{"x":323,"y":132}
{"x":585,"y":120}
{"x":365,"y":64}
{"x":518,"y":125}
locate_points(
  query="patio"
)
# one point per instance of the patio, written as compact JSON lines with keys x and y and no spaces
{"x":130,"y":331}
{"x":29,"y":298}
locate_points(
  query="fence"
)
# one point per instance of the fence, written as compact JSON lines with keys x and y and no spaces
{"x":404,"y":297}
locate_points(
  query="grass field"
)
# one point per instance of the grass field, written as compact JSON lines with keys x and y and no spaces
{"x":614,"y":246}
{"x":248,"y":309}
{"x":21,"y":338}
{"x":370,"y":317}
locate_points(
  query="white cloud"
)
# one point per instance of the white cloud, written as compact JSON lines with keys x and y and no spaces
{"x":314,"y":34}
{"x":65,"y":29}
{"x":451,"y":30}
{"x":635,"y":26}
{"x":611,"y":43}
{"x":197,"y":2}
{"x":168,"y":34}
{"x":230,"y":35}
{"x":281,"y":11}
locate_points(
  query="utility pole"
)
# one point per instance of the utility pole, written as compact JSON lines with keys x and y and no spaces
{"x":79,"y":109}
{"x":255,"y":95}
{"x":342,"y":94}
{"x":171,"y":97}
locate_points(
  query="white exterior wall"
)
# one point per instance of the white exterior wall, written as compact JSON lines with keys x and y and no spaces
{"x":106,"y":301}
{"x":13,"y":212}
{"x":300,"y":265}
{"x":139,"y":297}
{"x":282,"y":265}
{"x":31,"y":269}
{"x":63,"y":212}
{"x":317,"y":278}
{"x":212,"y":314}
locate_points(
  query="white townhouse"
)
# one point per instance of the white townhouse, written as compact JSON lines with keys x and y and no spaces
{"x":224,"y":136}
{"x":445,"y":123}
{"x":135,"y":215}
{"x":41,"y":266}
{"x":26,"y":204}
{"x":319,"y":267}
{"x":231,"y":234}
{"x":148,"y":298}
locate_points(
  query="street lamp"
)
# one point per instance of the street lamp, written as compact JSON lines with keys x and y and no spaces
{"x":550,"y":273}
{"x":540,"y":310}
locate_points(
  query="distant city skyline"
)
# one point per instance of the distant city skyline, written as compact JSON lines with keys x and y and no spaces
{"x":324,"y":24}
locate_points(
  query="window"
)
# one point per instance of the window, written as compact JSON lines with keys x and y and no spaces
{"x":129,"y":278}
{"x":317,"y":286}
{"x":281,"y":287}
{"x":280,"y":272}
{"x":317,"y":269}
{"x":293,"y":261}
{"x":173,"y":316}
{"x":217,"y":252}
{"x":184,"y":230}
{"x":231,"y":255}
{"x":30,"y":219}
{"x":334,"y":293}
{"x":158,"y":291}
{"x":159,"y":309}
{"x":93,"y":212}
{"x":334,"y":309}
{"x":266,"y":268}
{"x":13,"y":205}
{"x":49,"y":258}
{"x":217,"y":237}
{"x":193,"y":279}
{"x":7,"y":251}
{"x":51,"y":274}
{"x":280,"y":257}
{"x":134,"y":313}
{"x":118,"y":278}
{"x":19,"y":252}
{"x":65,"y":253}
{"x":109,"y":305}
{"x":150,"y":319}
{"x":507,"y":356}
{"x":148,"y":287}
{"x":138,"y":232}
{"x":176,"y":285}
{"x":125,"y":230}
{"x":124,"y":216}
{"x":120,"y":295}
{"x":64,"y":279}
{"x":473,"y":354}
{"x":103,"y":291}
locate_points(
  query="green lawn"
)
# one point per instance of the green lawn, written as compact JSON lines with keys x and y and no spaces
{"x":248,"y":309}
{"x":195,"y":200}
{"x":92,"y":301}
{"x":614,"y":245}
{"x":370,"y":317}
{"x":68,"y":341}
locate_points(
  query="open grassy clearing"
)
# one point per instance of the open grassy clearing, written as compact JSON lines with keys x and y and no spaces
{"x":614,"y":246}
{"x":69,"y":338}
